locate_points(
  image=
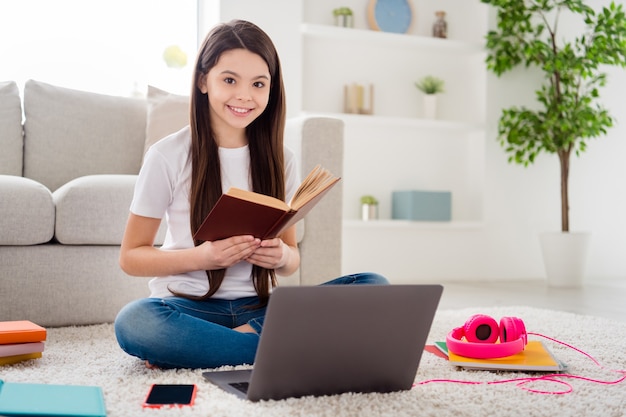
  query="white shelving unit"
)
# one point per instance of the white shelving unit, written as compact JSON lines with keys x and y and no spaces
{"x":409,"y":225}
{"x":395,"y":149}
{"x":335,"y":33}
{"x":406,"y":122}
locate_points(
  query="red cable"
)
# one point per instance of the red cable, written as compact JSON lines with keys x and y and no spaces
{"x":555,"y":378}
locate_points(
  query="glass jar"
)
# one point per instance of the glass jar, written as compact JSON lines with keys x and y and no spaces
{"x":440,"y":27}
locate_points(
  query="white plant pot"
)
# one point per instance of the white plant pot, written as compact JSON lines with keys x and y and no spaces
{"x":430,"y":106}
{"x":565,"y":257}
{"x":369,"y":212}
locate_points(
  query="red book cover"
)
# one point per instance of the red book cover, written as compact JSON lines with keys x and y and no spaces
{"x":239,"y":212}
{"x":232,"y":216}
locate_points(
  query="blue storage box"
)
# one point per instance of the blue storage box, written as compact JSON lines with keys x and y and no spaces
{"x":422,"y":205}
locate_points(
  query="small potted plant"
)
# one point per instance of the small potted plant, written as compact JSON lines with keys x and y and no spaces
{"x":343,"y":17}
{"x":369,"y":208}
{"x":430,"y":86}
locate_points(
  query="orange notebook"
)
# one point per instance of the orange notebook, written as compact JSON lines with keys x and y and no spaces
{"x":239,"y":212}
{"x":21,"y":331}
{"x":534,"y":357}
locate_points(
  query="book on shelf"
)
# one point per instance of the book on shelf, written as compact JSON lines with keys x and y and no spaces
{"x":21,"y":331}
{"x":26,"y":399}
{"x":535,"y":357}
{"x":240,"y":212}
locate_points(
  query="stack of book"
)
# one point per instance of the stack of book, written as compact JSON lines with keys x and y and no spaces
{"x":20,"y":340}
{"x":535,"y":357}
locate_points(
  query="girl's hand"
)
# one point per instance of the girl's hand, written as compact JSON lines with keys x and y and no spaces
{"x":227,"y":252}
{"x":271,"y":254}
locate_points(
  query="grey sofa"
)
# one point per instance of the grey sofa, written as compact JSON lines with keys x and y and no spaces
{"x":68,"y":164}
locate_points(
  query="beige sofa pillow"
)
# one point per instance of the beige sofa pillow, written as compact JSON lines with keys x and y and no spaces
{"x":167,"y":113}
{"x":70,"y":133}
{"x":11,"y":140}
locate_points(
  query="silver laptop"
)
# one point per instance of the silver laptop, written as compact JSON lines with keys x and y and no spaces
{"x":332,"y":339}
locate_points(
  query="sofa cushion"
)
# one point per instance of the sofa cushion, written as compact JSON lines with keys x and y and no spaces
{"x":26,"y":212}
{"x":167,"y":113}
{"x":93,"y":210}
{"x":11,"y":138}
{"x":70,"y":134}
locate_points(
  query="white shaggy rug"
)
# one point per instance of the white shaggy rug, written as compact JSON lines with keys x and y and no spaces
{"x":90,"y":356}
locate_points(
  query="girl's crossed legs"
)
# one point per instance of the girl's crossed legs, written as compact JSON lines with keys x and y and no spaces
{"x":175,"y":332}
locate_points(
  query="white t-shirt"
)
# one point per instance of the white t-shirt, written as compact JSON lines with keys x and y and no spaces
{"x":162,"y":191}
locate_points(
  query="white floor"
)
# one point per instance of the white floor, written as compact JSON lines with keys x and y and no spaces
{"x":604,"y":299}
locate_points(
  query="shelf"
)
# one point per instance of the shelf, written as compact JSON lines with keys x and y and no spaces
{"x":446,"y":153}
{"x":385,"y":39}
{"x":402,"y":122}
{"x":406,"y":224}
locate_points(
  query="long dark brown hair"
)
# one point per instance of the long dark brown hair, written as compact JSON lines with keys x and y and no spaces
{"x":265,"y":139}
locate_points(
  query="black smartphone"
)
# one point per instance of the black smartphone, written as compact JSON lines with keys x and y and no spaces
{"x":170,"y":395}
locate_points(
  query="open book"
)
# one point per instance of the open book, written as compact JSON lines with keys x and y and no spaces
{"x":240,"y":212}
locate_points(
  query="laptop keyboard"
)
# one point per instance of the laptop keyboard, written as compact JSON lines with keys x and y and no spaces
{"x":241,"y":386}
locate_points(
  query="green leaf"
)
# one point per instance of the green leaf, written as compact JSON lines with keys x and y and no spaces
{"x":567,"y":113}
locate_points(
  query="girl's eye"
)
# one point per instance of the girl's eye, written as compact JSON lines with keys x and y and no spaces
{"x":259,"y":84}
{"x":229,"y":80}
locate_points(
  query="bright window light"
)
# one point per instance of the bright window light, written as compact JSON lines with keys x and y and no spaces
{"x":112,"y":47}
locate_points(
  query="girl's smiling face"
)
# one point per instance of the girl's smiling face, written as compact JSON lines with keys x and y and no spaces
{"x":238,"y":89}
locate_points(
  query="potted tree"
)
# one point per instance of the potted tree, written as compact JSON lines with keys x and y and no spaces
{"x":430,"y":86}
{"x":568,"y":114}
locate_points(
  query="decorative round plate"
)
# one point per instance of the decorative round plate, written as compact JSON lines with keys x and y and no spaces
{"x":390,"y":15}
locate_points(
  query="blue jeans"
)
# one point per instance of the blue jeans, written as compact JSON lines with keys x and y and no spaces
{"x":175,"y":332}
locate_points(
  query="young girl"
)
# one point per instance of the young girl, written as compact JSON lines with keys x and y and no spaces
{"x":208,"y":299}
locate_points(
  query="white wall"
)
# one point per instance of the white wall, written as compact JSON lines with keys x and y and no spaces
{"x":114,"y":47}
{"x":280,"y":19}
{"x":519,"y":202}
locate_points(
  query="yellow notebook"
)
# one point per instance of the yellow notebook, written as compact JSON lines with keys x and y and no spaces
{"x":8,"y":360}
{"x":535,"y":357}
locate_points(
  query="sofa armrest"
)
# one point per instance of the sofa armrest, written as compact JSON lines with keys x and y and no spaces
{"x":319,"y":140}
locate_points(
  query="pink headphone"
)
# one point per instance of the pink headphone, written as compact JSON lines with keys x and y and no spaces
{"x":481,"y":333}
